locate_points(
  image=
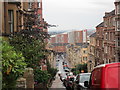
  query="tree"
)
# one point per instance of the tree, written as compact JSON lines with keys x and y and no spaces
{"x":82,"y":67}
{"x":13,"y":64}
{"x":31,"y":44}
{"x":79,"y":68}
{"x":41,"y":76}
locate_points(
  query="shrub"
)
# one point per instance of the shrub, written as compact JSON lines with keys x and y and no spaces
{"x":41,"y":76}
{"x":13,"y":64}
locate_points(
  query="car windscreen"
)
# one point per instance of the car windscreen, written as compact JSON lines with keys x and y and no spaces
{"x":84,"y":78}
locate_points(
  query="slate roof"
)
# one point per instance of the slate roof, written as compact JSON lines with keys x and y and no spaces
{"x":101,"y":24}
{"x":85,"y":45}
{"x":79,"y":44}
{"x":93,"y":35}
{"x":112,"y":13}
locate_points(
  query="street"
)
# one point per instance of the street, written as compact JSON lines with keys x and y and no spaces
{"x":57,"y":83}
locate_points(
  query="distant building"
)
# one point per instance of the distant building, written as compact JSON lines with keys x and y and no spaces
{"x":58,"y":42}
{"x":77,"y":37}
{"x":91,"y":52}
{"x":84,"y":53}
{"x":77,"y":54}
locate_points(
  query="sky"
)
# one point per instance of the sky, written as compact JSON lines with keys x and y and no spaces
{"x":75,"y":14}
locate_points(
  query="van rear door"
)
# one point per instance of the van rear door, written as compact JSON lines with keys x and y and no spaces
{"x":112,"y":76}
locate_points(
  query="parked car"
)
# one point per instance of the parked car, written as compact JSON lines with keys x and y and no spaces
{"x":105,"y":76}
{"x":80,"y":79}
{"x":69,"y":82}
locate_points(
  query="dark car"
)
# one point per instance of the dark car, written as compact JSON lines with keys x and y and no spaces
{"x":69,"y":82}
{"x":80,"y":79}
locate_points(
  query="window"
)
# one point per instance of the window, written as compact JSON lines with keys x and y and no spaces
{"x":118,"y":43}
{"x":105,"y":49}
{"x":39,"y":5}
{"x":96,"y":77}
{"x":106,"y":35}
{"x":85,"y":52}
{"x":17,"y":19}
{"x":118,"y":26}
{"x":84,"y":58}
{"x":30,"y":4}
{"x":11,"y":21}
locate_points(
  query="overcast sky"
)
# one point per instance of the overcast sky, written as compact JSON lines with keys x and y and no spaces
{"x":75,"y":14}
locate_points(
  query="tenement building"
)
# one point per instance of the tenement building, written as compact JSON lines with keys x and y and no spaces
{"x":91,"y":52}
{"x":99,"y":44}
{"x":109,"y":37}
{"x":117,"y":29}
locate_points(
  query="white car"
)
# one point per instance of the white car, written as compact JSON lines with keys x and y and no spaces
{"x":80,"y":79}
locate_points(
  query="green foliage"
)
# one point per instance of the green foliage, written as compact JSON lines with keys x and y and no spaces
{"x":78,"y":68}
{"x":82,"y":67}
{"x":32,"y":44}
{"x":13,"y":64}
{"x":75,"y":71}
{"x":41,"y":76}
{"x":32,"y":47}
{"x":51,"y":70}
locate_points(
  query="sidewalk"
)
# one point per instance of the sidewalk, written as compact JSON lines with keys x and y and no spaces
{"x":57,"y":84}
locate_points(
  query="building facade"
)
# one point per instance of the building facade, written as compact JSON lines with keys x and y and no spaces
{"x":99,"y":44}
{"x":109,"y":37}
{"x":77,"y":54}
{"x":77,"y":37}
{"x":58,"y":42}
{"x":117,"y":30}
{"x":91,"y":52}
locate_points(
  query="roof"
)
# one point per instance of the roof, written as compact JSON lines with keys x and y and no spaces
{"x":101,"y":24}
{"x":104,"y":65}
{"x":85,"y":45}
{"x":79,"y":44}
{"x":107,"y":14}
{"x":93,"y":35}
{"x":53,"y":36}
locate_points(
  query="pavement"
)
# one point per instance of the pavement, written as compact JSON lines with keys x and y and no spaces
{"x":57,"y":83}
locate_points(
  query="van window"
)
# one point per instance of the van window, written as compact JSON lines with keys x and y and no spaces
{"x":96,"y":76}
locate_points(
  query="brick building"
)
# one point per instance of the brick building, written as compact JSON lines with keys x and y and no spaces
{"x":117,"y":29}
{"x":99,"y":44}
{"x":77,"y":37}
{"x":58,"y":42}
{"x":91,"y":52}
{"x":109,"y":37}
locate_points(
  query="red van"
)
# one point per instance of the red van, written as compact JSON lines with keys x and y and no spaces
{"x":106,"y":76}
